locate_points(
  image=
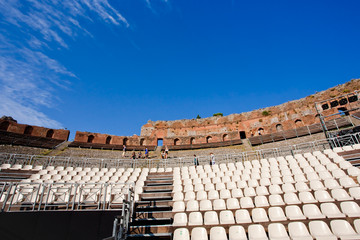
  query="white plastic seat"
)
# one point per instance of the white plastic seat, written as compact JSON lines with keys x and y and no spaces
{"x":231,"y":185}
{"x":353,"y":171}
{"x":213,"y":194}
{"x":340,"y":195}
{"x":195,"y":218}
{"x":242,"y":216}
{"x":211,"y":218}
{"x":249,"y":192}
{"x":257,"y":231}
{"x":205,"y":205}
{"x":178,"y":196}
{"x":246,"y":202}
{"x":294,"y":213}
{"x":180,"y":219}
{"x":343,"y":230}
{"x":355,"y":192}
{"x":225,"y":194}
{"x":288,"y":188}
{"x":275,"y":189}
{"x":276,"y":200}
{"x":188,"y":188}
{"x":242,"y":184}
{"x":351,"y":209}
{"x":300,"y":178}
{"x":338,"y":173}
{"x":317,"y":185}
{"x":199,"y":233}
{"x":237,"y":233}
{"x":264,"y":181}
{"x":259,"y":215}
{"x":276,"y":214}
{"x":277,"y":231}
{"x":347,"y":182}
{"x":253,"y":183}
{"x":178,"y":206}
{"x":218,"y":233}
{"x":209,"y":186}
{"x":299,"y":231}
{"x":219,"y":204}
{"x":312,"y":211}
{"x":261,"y":201}
{"x":307,"y":197}
{"x":323,"y":196}
{"x":357,"y":224}
{"x":192,"y":205}
{"x":227,"y":217}
{"x":291,"y":198}
{"x":201,"y":195}
{"x":232,"y":203}
{"x":236,"y":193}
{"x":181,"y":234}
{"x":330,"y":210}
{"x":302,"y":187}
{"x":320,"y":231}
{"x":331,"y":183}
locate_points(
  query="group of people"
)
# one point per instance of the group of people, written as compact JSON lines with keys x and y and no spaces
{"x":133,"y":154}
{"x":165,"y":153}
{"x":212,"y":160}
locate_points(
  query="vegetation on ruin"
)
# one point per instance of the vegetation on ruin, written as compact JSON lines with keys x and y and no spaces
{"x":266,"y":113}
{"x":218,"y":114}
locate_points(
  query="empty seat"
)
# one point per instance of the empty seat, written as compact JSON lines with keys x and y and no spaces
{"x":288,"y":187}
{"x":351,"y":209}
{"x":180,"y":219}
{"x":357,"y":225}
{"x":317,"y":185}
{"x":320,"y":231}
{"x":213,"y":194}
{"x":294,"y":213}
{"x":201,"y":195}
{"x":237,"y":233}
{"x":232,"y":203}
{"x":277,"y":231}
{"x":277,"y":214}
{"x":192,"y":205}
{"x":301,"y":187}
{"x":331,"y":183}
{"x":211,"y":218}
{"x":178,"y":206}
{"x":237,"y":193}
{"x":218,"y":233}
{"x":330,"y":210}
{"x":242,"y":216}
{"x":343,"y":229}
{"x":205,"y":205}
{"x":307,"y":197}
{"x":291,"y":198}
{"x":311,"y":211}
{"x":195,"y":218}
{"x":261,"y":191}
{"x":249,"y":192}
{"x":355,"y":192}
{"x":323,"y":196}
{"x":257,"y":231}
{"x":178,"y":196}
{"x":340,"y":195}
{"x":275,"y":189}
{"x":199,"y":233}
{"x":261,"y":201}
{"x":225,"y":194}
{"x":246,"y":202}
{"x":298,"y":231}
{"x":219,"y":204}
{"x":227,"y":217}
{"x":276,"y":200}
{"x":259,"y":215}
{"x":347,"y":182}
{"x":181,"y":234}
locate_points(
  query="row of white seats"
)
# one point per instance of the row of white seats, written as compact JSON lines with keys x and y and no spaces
{"x":296,"y":231}
{"x":292,"y":212}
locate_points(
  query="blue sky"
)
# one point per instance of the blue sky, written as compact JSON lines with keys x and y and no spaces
{"x":110,"y":66}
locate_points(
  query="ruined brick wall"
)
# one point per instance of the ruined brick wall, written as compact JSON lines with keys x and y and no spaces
{"x":36,"y":131}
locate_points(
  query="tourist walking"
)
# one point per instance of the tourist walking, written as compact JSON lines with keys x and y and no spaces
{"x":196,"y":160}
{"x":124,"y":151}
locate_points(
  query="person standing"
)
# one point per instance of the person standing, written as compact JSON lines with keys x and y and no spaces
{"x":166,"y":152}
{"x":124,"y":150}
{"x":212,"y":159}
{"x":133,"y":155}
{"x":196,"y":160}
{"x":146,"y":153}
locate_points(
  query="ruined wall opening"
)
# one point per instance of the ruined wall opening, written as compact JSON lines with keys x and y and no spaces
{"x":142,"y":142}
{"x":279,"y":128}
{"x":225,"y":137}
{"x":28,"y":130}
{"x":343,"y":111}
{"x":176,"y":141}
{"x":261,"y":131}
{"x":160,"y":142}
{"x":108,"y":140}
{"x":125,"y":141}
{"x":4,"y":125}
{"x":50,"y":133}
{"x":298,"y":123}
{"x":192,"y":141}
{"x":90,"y":138}
{"x":208,"y":139}
{"x":242,"y":135}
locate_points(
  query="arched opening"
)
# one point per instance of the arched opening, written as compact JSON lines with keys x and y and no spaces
{"x":176,"y":141}
{"x":279,"y":128}
{"x":298,"y":123}
{"x":28,"y":130}
{"x":108,"y":140}
{"x":142,"y":142}
{"x":225,"y":137}
{"x":50,"y":133}
{"x":125,"y":141}
{"x":242,"y":135}
{"x":4,"y":125}
{"x":261,"y":131}
{"x":192,"y":141}
{"x":343,"y":111}
{"x":160,"y":142}
{"x":90,"y":138}
{"x":208,"y":139}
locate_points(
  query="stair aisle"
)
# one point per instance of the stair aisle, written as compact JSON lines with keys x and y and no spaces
{"x":153,"y":212}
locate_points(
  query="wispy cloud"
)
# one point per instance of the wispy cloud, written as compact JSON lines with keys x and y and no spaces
{"x":29,"y":77}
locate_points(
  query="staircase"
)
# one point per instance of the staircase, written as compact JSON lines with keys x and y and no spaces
{"x":153,"y":212}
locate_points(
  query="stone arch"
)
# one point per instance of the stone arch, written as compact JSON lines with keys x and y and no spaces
{"x":192,"y":140}
{"x":298,"y":123}
{"x":279,"y":127}
{"x":28,"y":130}
{"x":4,"y":125}
{"x":142,"y":141}
{"x":50,"y":133}
{"x":108,"y":140}
{"x":208,"y":139}
{"x":90,"y":138}
{"x":176,"y":141}
{"x":225,"y":137}
{"x":125,"y":141}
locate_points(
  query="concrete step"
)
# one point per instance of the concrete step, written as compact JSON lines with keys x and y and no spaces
{"x":160,"y":214}
{"x":151,"y":229}
{"x":151,"y":236}
{"x":151,"y":221}
{"x":157,"y":208}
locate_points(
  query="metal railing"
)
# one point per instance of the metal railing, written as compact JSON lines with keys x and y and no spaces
{"x":179,"y":161}
{"x":121,"y":225}
{"x":22,"y":196}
